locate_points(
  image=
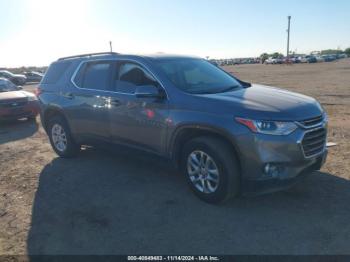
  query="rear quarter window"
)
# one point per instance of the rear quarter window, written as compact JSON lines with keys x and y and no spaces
{"x":55,"y":72}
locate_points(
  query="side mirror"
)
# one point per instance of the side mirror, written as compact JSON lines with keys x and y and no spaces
{"x":19,"y":87}
{"x":148,"y":91}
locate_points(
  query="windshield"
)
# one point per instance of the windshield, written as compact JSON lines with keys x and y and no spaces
{"x":6,"y":73}
{"x":6,"y":86}
{"x":197,"y":76}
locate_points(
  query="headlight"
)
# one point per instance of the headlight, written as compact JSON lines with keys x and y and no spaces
{"x":32,"y":98}
{"x":268,"y":127}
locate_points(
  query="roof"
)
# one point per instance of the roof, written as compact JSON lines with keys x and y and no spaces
{"x":157,"y":56}
{"x":87,"y":55}
{"x":162,"y":56}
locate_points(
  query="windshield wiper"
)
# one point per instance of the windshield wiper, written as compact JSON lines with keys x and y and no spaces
{"x":230,"y":88}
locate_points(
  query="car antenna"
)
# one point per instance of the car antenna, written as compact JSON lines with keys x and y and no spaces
{"x":110,"y":46}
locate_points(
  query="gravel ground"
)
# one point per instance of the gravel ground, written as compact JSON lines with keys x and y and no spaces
{"x":122,"y":202}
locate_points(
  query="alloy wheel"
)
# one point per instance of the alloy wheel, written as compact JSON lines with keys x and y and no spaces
{"x":203,"y":172}
{"x":59,"y":137}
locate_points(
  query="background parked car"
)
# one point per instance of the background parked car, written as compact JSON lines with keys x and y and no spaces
{"x":16,"y":103}
{"x":294,"y":59}
{"x":308,"y":59}
{"x":302,"y":59}
{"x":319,"y":58}
{"x":14,"y":78}
{"x":271,"y":61}
{"x":311,"y":59}
{"x":329,"y":58}
{"x":340,"y":56}
{"x":33,"y":76}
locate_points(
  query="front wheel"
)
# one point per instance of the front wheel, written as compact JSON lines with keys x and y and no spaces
{"x":211,"y":169}
{"x":60,"y":137}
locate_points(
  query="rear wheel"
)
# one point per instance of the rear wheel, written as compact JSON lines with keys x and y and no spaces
{"x":60,"y":137}
{"x":211,"y":169}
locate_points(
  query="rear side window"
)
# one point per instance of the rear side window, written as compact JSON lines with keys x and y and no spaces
{"x":94,"y":75}
{"x":55,"y":72}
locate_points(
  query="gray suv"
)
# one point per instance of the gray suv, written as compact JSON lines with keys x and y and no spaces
{"x":227,"y":137}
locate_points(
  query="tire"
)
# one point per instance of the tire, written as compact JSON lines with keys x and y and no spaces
{"x":69,"y":147}
{"x":225,"y":162}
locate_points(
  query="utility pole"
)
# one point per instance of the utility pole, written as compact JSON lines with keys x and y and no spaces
{"x":288,"y":32}
{"x":110,"y":46}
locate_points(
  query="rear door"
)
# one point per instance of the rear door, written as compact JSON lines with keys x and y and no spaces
{"x":89,"y":101}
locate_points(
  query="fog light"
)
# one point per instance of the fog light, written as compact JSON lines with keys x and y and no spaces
{"x":273,"y":170}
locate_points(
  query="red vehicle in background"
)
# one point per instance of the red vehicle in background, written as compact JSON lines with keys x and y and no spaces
{"x":16,"y":103}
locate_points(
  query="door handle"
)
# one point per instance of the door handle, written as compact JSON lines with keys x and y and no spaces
{"x":115,"y":102}
{"x":68,"y":95}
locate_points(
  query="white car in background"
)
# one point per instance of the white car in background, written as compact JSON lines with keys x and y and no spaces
{"x":270,"y":61}
{"x":273,"y":61}
{"x":319,"y":58}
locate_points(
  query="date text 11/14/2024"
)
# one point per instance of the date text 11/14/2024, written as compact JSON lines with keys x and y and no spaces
{"x":173,"y":258}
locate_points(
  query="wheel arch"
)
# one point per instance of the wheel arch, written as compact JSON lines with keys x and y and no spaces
{"x":50,"y":112}
{"x":185,"y":133}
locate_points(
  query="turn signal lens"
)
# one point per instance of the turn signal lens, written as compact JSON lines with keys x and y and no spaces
{"x":248,"y":123}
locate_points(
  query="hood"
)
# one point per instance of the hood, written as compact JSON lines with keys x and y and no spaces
{"x":267,"y":103}
{"x":14,"y":95}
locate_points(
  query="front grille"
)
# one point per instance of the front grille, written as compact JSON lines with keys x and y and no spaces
{"x":312,"y":121}
{"x":314,"y":142}
{"x":13,"y":103}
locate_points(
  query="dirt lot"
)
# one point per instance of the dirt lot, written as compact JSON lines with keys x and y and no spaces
{"x":122,"y":203}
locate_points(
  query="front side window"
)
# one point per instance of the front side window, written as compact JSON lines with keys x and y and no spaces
{"x":130,"y":76}
{"x":197,"y":76}
{"x":94,"y":75}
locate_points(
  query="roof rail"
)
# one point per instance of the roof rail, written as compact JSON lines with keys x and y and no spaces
{"x":87,"y":55}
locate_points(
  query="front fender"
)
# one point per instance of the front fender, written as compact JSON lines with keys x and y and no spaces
{"x":199,"y":129}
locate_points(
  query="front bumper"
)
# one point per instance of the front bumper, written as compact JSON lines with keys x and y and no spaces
{"x":30,"y":109}
{"x":261,"y":186}
{"x":283,"y":152}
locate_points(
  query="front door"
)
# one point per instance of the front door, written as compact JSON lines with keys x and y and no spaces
{"x":138,"y":121}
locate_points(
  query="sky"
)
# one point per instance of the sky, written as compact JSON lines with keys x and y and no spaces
{"x":37,"y":32}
